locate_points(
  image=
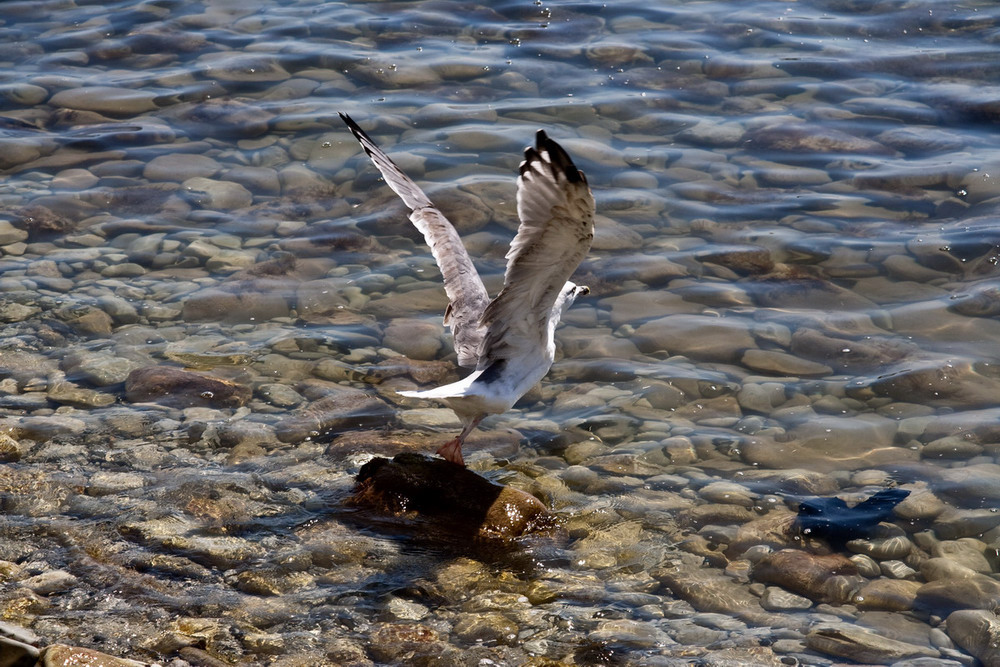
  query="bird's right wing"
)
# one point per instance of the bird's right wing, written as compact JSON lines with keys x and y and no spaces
{"x":466,"y":293}
{"x":556,"y":209}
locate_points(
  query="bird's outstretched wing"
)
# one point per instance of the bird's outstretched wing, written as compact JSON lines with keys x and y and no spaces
{"x":556,"y":209}
{"x":466,"y":293}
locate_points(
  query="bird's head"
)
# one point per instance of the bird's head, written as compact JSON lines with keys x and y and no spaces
{"x":569,"y":294}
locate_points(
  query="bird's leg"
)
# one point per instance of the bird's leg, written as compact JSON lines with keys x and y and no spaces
{"x":452,"y":450}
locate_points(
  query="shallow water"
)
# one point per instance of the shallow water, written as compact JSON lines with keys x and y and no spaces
{"x":794,"y":293}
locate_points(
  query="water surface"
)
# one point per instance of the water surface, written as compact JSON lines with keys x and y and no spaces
{"x":794,"y":285}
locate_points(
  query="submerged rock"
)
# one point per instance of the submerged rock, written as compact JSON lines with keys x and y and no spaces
{"x":344,"y":410}
{"x":807,"y":574}
{"x":853,"y":643}
{"x":452,"y":497}
{"x":60,"y":654}
{"x":978,"y":632}
{"x":180,"y":388}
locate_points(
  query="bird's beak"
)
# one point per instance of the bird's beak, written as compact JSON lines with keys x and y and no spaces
{"x":583,"y":290}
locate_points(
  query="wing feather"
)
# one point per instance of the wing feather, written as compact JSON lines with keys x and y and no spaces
{"x":466,"y":293}
{"x":556,"y":209}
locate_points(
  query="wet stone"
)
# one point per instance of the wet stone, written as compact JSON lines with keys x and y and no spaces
{"x":978,"y":632}
{"x":946,"y":595}
{"x":179,"y":388}
{"x":215,"y":194}
{"x":106,"y":100}
{"x":778,"y":599}
{"x":346,"y":409}
{"x":803,"y":573}
{"x":451,"y":496}
{"x":59,"y":655}
{"x":701,"y":337}
{"x":887,"y":595}
{"x":179,"y":167}
{"x":857,"y":644}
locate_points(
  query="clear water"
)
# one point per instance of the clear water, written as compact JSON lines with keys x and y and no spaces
{"x":805,"y":191}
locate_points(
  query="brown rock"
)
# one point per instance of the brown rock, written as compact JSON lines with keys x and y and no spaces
{"x":978,"y":632}
{"x":713,"y":592}
{"x":805,"y":573}
{"x":60,"y":655}
{"x":457,"y":500}
{"x":397,"y":643}
{"x":947,"y":595}
{"x":887,"y":595}
{"x":744,"y":260}
{"x":180,"y":388}
{"x":854,"y":643}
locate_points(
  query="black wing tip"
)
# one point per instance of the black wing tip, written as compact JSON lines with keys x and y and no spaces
{"x":559,"y":160}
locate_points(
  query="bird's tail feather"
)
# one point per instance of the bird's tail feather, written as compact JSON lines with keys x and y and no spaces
{"x":455,"y":389}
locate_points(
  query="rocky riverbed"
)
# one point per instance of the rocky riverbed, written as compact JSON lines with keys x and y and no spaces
{"x":208,"y":303}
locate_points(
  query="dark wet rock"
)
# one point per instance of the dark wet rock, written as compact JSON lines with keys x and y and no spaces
{"x":14,"y":653}
{"x":832,"y":520}
{"x":952,"y":524}
{"x":860,"y":645}
{"x":947,"y":595}
{"x":805,"y":573}
{"x":413,"y":486}
{"x":143,"y":199}
{"x":179,"y":388}
{"x":978,"y":632}
{"x":346,"y":409}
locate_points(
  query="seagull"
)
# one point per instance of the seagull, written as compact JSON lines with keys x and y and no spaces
{"x":507,"y":340}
